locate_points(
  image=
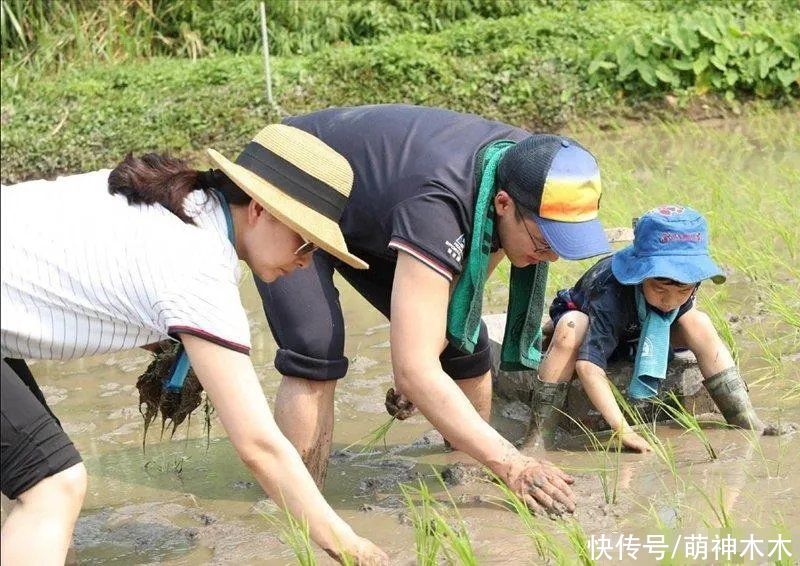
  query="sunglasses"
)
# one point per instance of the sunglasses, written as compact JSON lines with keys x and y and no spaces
{"x":306,"y":248}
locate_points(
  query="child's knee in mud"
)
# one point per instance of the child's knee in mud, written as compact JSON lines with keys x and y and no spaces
{"x":570,"y":332}
{"x":695,"y":331}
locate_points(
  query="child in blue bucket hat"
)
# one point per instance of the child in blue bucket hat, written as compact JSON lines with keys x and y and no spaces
{"x":643,"y":295}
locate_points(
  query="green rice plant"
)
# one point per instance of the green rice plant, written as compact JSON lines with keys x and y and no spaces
{"x":793,"y":394}
{"x":438,"y":528}
{"x":295,"y":533}
{"x":167,"y":463}
{"x":687,"y":421}
{"x":711,"y":306}
{"x":753,"y":439}
{"x":663,"y":449}
{"x":578,"y":540}
{"x":610,"y":495}
{"x":768,"y":354}
{"x":779,"y":303}
{"x":545,"y":544}
{"x":370,"y":440}
{"x":456,"y":543}
{"x":783,"y":558}
{"x":605,"y":470}
{"x":723,"y":518}
{"x":423,"y":519}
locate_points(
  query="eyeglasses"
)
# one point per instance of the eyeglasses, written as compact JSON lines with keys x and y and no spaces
{"x":306,"y":248}
{"x":536,"y":244}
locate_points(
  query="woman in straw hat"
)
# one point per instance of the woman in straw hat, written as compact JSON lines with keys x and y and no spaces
{"x":84,"y":272}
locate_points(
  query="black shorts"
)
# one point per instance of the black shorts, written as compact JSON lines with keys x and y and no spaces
{"x":305,"y":316}
{"x":34,"y":446}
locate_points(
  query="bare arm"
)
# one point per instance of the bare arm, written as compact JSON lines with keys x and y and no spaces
{"x":232,"y":386}
{"x":595,"y":384}
{"x":418,"y":334}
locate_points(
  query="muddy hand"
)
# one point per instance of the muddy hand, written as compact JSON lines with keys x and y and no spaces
{"x":541,"y":485}
{"x":398,"y":405}
{"x":632,"y":441}
{"x":362,"y":553}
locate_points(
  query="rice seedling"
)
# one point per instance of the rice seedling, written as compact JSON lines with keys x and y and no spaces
{"x":423,"y":519}
{"x":718,"y":508}
{"x":711,"y":306}
{"x":606,"y":468}
{"x":687,"y":421}
{"x":167,"y":463}
{"x":578,"y":540}
{"x":544,"y":543}
{"x":663,"y":449}
{"x":295,"y":533}
{"x":782,"y":556}
{"x":438,"y":528}
{"x":371,"y":439}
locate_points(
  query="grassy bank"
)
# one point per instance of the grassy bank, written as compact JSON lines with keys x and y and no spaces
{"x":541,"y":69}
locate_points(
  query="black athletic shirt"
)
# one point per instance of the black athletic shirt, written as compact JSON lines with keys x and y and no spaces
{"x":611,"y":308}
{"x":414,"y":186}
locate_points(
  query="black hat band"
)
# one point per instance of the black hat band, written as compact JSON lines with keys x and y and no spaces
{"x":290,"y":179}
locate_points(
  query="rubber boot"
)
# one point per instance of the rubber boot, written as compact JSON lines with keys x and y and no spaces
{"x":546,"y":407}
{"x":729,"y":392}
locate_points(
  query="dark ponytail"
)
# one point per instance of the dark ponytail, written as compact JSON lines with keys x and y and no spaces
{"x":164,"y":180}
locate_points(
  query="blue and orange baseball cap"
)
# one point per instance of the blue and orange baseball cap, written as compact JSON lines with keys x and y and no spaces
{"x":557,"y":180}
{"x":669,"y":241}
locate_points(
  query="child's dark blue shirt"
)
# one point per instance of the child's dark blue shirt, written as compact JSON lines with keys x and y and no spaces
{"x":611,"y":308}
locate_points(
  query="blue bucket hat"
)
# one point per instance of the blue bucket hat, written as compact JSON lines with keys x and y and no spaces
{"x":669,"y":241}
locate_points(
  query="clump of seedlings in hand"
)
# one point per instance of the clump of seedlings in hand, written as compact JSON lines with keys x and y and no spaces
{"x":174,"y":406}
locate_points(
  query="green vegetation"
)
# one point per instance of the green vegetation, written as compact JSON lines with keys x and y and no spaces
{"x":708,"y":50}
{"x":688,"y":421}
{"x":439,"y":528}
{"x":41,"y":34}
{"x":527,"y":63}
{"x":371,"y":439}
{"x":295,"y":533}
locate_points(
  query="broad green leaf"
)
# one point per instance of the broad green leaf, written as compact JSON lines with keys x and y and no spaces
{"x":666,"y":75}
{"x":701,"y":63}
{"x":788,"y":76}
{"x":647,"y":73}
{"x":598,"y":64}
{"x":684,"y":64}
{"x":639,"y":46}
{"x":708,"y":30}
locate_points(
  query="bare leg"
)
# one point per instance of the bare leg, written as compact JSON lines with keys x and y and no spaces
{"x":559,"y":362}
{"x":696,"y":331}
{"x":721,"y":376}
{"x":38,"y":529}
{"x":479,"y":392}
{"x":304,"y":413}
{"x":555,"y":372}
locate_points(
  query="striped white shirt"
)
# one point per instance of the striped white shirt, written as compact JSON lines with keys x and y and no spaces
{"x":85,"y":273}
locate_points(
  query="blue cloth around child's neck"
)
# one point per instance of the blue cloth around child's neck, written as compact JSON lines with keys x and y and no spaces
{"x":652,"y":353}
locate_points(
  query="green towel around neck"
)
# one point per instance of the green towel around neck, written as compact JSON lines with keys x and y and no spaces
{"x":523,"y":335}
{"x":652,"y":352}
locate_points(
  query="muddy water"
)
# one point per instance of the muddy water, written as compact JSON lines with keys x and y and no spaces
{"x":186,"y":501}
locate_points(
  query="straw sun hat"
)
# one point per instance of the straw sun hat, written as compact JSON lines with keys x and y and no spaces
{"x":300,"y":180}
